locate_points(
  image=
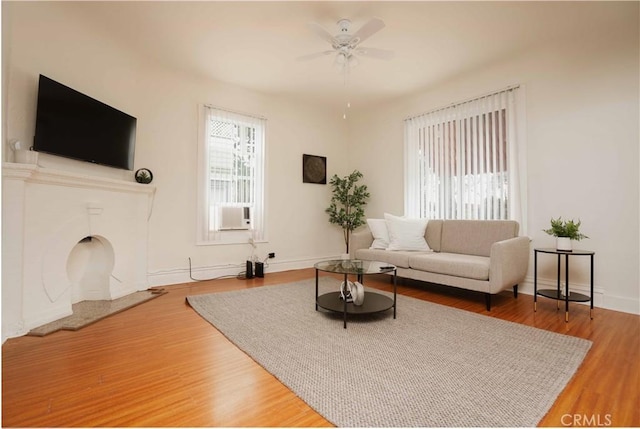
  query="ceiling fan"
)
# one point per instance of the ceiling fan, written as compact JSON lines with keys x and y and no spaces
{"x":346,"y":46}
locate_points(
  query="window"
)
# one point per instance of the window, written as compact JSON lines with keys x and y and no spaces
{"x":231,"y":175}
{"x":466,"y":161}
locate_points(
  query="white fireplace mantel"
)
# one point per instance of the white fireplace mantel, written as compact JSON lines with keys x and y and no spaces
{"x":46,"y":216}
{"x":34,"y":174}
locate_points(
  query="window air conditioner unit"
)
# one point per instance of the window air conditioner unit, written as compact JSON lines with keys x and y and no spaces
{"x":235,"y":218}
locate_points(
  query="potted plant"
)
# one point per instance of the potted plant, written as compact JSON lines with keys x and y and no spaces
{"x":565,"y":231}
{"x":143,"y":175}
{"x":347,"y":204}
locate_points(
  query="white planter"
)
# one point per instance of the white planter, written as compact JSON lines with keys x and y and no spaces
{"x":23,"y":156}
{"x":563,"y":243}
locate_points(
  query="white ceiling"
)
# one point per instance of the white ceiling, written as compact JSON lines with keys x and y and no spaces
{"x":255,"y":44}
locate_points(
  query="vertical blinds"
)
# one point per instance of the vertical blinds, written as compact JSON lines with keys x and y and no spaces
{"x":463,"y":161}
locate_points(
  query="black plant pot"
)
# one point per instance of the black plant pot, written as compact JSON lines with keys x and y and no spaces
{"x":144,"y":175}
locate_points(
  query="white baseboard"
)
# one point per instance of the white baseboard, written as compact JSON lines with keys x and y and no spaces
{"x":182,"y":275}
{"x":623,"y":304}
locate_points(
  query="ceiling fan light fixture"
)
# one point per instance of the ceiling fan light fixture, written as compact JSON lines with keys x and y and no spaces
{"x":346,"y":47}
{"x":344,"y":24}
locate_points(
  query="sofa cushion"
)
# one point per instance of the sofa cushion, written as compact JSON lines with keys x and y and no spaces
{"x":453,"y":264}
{"x":406,"y":234}
{"x":433,"y":234}
{"x":398,"y":258}
{"x":475,"y":237}
{"x":378,"y":228}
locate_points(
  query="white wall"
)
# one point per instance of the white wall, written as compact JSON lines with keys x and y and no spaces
{"x":48,"y":38}
{"x":582,"y":114}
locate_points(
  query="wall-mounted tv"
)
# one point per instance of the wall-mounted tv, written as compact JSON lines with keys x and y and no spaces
{"x":74,"y":125}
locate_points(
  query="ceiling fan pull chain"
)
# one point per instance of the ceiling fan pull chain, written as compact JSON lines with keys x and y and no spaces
{"x":347,"y":104}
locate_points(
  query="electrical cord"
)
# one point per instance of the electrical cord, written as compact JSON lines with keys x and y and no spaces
{"x":265,"y":263}
{"x":242,"y":275}
{"x":215,"y":278}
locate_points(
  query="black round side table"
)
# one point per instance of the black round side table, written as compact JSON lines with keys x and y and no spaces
{"x":558,"y":294}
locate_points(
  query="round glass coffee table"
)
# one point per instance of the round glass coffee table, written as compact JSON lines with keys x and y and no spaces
{"x":373,"y":302}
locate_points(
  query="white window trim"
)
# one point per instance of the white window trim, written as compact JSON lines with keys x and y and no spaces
{"x":204,"y":237}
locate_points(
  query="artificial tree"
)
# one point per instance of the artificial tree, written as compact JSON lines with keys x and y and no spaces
{"x":347,"y":203}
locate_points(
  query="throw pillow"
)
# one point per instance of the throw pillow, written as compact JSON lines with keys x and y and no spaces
{"x":378,"y":228}
{"x":406,"y":234}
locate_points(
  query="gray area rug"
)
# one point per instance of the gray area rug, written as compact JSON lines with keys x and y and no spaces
{"x":432,"y":366}
{"x":88,"y":312}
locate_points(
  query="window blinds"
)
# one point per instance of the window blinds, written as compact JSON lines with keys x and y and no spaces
{"x":466,"y":161}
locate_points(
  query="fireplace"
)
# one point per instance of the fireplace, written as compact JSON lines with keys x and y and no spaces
{"x":89,"y":269}
{"x":67,"y":238}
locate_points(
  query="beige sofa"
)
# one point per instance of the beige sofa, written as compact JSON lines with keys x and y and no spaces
{"x":483,"y":256}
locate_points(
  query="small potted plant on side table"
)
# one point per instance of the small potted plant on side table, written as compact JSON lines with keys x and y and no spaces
{"x":565,"y":231}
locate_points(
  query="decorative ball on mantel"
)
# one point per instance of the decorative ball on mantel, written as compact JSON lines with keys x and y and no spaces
{"x":144,"y":175}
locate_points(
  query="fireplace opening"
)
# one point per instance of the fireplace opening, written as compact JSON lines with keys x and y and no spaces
{"x":89,"y":268}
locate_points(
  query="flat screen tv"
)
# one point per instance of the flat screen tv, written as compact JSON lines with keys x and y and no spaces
{"x":74,"y":125}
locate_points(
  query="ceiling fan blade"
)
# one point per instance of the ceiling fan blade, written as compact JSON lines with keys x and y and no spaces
{"x":320,"y":31}
{"x":314,"y":55}
{"x":367,"y":30}
{"x":383,"y":54}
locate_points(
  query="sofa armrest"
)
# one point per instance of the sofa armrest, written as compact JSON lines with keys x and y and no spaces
{"x":361,"y":239}
{"x":509,"y":262}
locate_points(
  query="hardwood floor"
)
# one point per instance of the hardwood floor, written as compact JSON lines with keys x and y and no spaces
{"x":160,"y":364}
